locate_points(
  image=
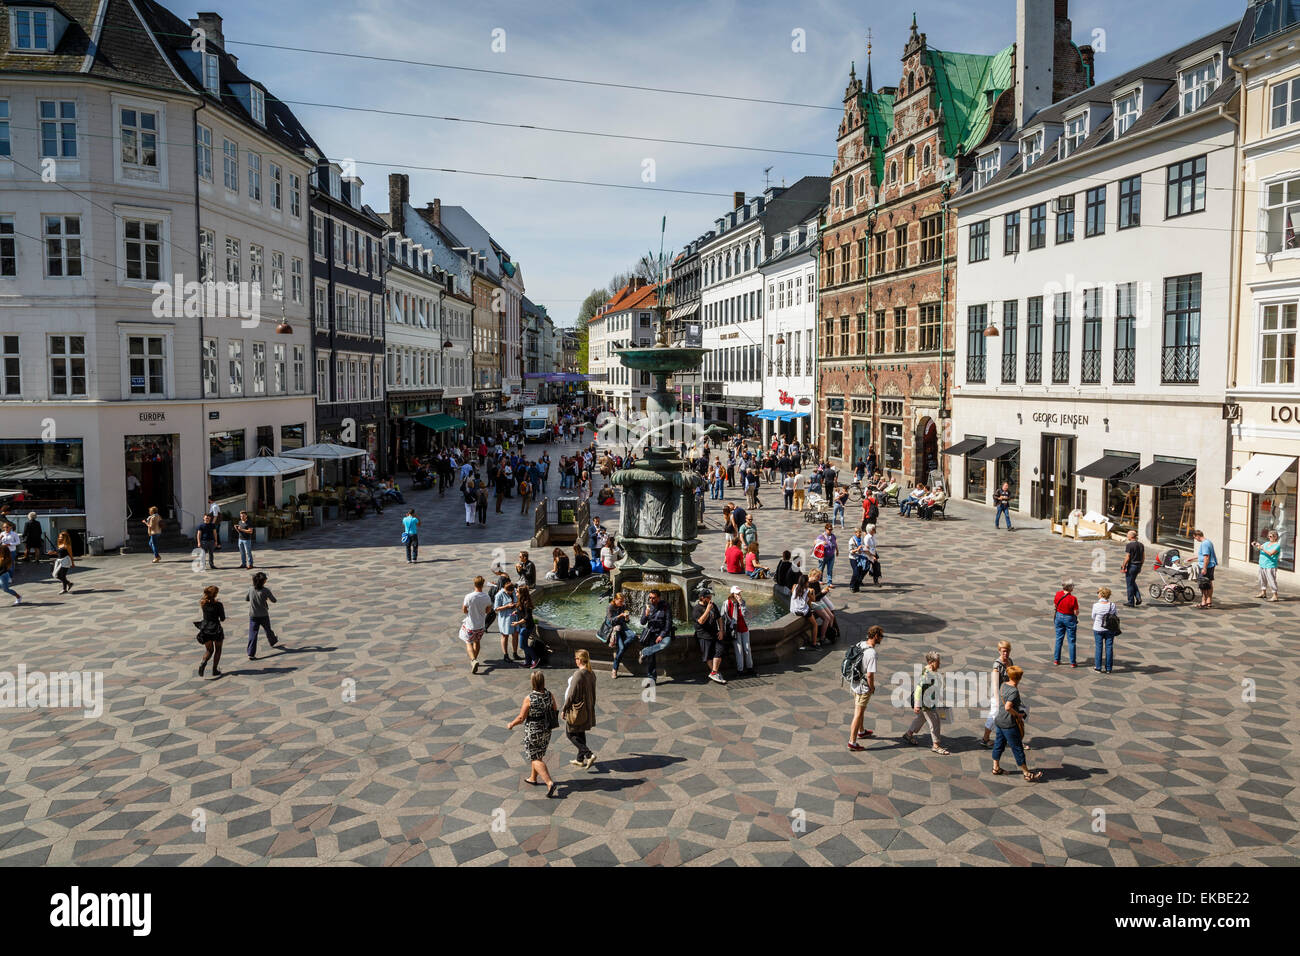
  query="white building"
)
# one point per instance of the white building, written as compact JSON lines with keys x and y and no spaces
{"x":626,"y":321}
{"x":111,"y":367}
{"x":790,"y":332}
{"x":1096,"y":239}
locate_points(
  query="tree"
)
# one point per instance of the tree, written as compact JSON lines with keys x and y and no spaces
{"x":594,"y":300}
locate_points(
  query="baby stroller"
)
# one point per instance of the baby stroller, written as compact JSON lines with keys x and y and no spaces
{"x":817,"y":511}
{"x":1174,"y":579}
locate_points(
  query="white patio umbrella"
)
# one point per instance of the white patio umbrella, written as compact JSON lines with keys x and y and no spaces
{"x":262,"y":466}
{"x":325,"y":451}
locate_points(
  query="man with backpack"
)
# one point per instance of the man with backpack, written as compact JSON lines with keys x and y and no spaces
{"x":859,"y":669}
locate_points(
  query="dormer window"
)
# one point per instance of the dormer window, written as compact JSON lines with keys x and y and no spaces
{"x":1197,"y":84}
{"x":1127,"y":109}
{"x":211,"y":74}
{"x":1076,"y":130}
{"x":988,"y":167}
{"x":1031,"y":148}
{"x":336,"y":184}
{"x":257,"y":99}
{"x":30,"y":30}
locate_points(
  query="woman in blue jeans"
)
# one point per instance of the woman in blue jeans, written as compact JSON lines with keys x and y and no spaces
{"x":1010,"y":718}
{"x":1104,"y":640}
{"x":1067,"y":621}
{"x":830,"y":548}
{"x":620,"y":636}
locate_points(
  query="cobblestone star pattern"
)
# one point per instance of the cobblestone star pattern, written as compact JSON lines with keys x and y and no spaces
{"x":271,"y":763}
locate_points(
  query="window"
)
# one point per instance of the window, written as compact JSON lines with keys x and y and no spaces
{"x":318,"y":236}
{"x":143,"y":246}
{"x":900,"y":246}
{"x":211,"y":74}
{"x":8,"y":248}
{"x":931,"y":236}
{"x":278,"y":382}
{"x":1277,"y":345}
{"x":1094,"y":216}
{"x":1180,"y":361}
{"x":277,"y":185}
{"x":844,"y":335}
{"x":338,"y":244}
{"x":848,"y":191}
{"x":928,"y":327}
{"x":909,"y":164}
{"x":351,"y":247}
{"x":58,"y":129}
{"x":300,"y":368}
{"x":1076,"y":129}
{"x":259,"y":368}
{"x":67,"y":366}
{"x":1038,"y":226}
{"x":32,"y":30}
{"x":256,"y":268}
{"x":6,"y":146}
{"x":1286,"y":104}
{"x":988,"y":167}
{"x":277,"y":276}
{"x":878,"y":336}
{"x":1011,"y":234}
{"x":230,"y":164}
{"x":1197,"y":84}
{"x":979,"y":241}
{"x":880,"y":253}
{"x":1061,"y":338}
{"x":862,"y":334}
{"x":1031,"y":148}
{"x":1034,"y":340}
{"x":1130,"y":202}
{"x":1186,"y":189}
{"x":1125,"y":334}
{"x":976,"y":321}
{"x":254,"y":176}
{"x":295,"y":195}
{"x":1281,"y":216}
{"x":235,"y":353}
{"x":10,"y":367}
{"x":139,"y":130}
{"x":844,"y":262}
{"x":144,"y":356}
{"x":1090,"y":369}
{"x":893,"y":172}
{"x":203,"y":153}
{"x":296,"y":279}
{"x":209,"y":367}
{"x":900,"y":329}
{"x":258,"y":101}
{"x":1126,"y":113}
{"x":835,"y":437}
{"x":232,"y":259}
{"x":62,"y":246}
{"x":1009,"y":330}
{"x":1065,"y":219}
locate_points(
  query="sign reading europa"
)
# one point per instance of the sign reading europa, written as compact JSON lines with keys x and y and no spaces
{"x":1052,"y":418}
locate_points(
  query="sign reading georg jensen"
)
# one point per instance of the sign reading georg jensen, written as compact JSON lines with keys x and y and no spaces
{"x":1052,"y":418}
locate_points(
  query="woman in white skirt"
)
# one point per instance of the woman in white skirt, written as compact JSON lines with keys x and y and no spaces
{"x":999,"y":678}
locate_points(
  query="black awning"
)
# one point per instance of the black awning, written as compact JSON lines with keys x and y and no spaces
{"x":964,"y":447}
{"x":1161,"y":473}
{"x":1107,"y":467}
{"x":995,"y":451}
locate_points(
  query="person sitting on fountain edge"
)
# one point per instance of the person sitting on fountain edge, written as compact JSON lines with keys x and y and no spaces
{"x":656,"y":633}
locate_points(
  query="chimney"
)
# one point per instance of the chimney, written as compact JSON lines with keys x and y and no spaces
{"x":435,"y":212}
{"x":737,"y":200}
{"x":210,"y":23}
{"x":1035,"y":52}
{"x":399,"y":195}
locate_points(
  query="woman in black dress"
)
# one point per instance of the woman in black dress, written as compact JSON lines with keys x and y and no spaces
{"x":535,"y":715}
{"x":210,"y":631}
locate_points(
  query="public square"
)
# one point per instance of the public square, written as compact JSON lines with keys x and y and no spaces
{"x":419,"y":769}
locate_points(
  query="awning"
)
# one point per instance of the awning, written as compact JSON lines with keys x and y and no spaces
{"x":263,"y":466}
{"x":1260,"y":473}
{"x":684,"y":311}
{"x":325,"y":451}
{"x":1160,"y":473}
{"x":438,"y":422}
{"x":965,"y":447}
{"x":1107,"y":467}
{"x":767,"y":414}
{"x":791,"y":416}
{"x":995,"y":451}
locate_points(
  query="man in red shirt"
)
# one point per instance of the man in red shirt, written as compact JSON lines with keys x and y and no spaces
{"x":1067,"y":620}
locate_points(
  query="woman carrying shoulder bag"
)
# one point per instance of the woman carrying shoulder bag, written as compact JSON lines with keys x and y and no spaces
{"x":579,"y":709}
{"x":1105,"y":625}
{"x":211,"y":633}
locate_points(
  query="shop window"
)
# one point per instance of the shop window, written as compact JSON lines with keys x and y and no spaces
{"x":1275,"y":511}
{"x":50,"y":474}
{"x":1176,"y":508}
{"x":1123,"y":498}
{"x":976,"y":474}
{"x":224,"y":448}
{"x":893,"y":445}
{"x":1007,"y":469}
{"x":834,"y":437}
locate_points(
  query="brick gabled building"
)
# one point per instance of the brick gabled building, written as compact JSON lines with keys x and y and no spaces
{"x":888,"y":249}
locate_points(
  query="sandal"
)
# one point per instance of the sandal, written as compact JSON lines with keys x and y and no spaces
{"x":1033,"y":776}
{"x":986,"y":743}
{"x":998,"y":772}
{"x":940,"y":751}
{"x":909,"y":739}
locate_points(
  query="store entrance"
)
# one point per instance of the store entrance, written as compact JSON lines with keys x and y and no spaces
{"x":149,"y":460}
{"x":926,"y":461}
{"x":1057,"y":477}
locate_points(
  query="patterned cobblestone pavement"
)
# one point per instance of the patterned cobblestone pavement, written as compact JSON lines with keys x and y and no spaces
{"x":279,"y":768}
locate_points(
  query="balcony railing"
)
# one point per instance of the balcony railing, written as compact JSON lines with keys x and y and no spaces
{"x":1009,"y":368}
{"x":1091,"y":371}
{"x":1125,"y":366}
{"x":1034,"y":367}
{"x":975,"y":365}
{"x":1061,"y":367}
{"x":1180,"y":364}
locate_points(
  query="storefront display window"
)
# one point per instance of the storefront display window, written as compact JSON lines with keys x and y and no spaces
{"x":1275,"y":511}
{"x":1008,"y":470}
{"x":224,"y":448}
{"x":50,"y":474}
{"x":1122,"y":497}
{"x":1176,"y":508}
{"x":976,"y":474}
{"x":893,"y":443}
{"x":834,"y":437}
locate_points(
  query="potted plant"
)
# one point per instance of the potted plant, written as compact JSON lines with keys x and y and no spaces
{"x":317,"y":503}
{"x":225,"y":523}
{"x":260,"y":528}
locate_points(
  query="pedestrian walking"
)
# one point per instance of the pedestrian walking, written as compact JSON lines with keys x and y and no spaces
{"x":259,"y":598}
{"x":63,"y":560}
{"x":787,"y":490}
{"x":824,"y":550}
{"x":579,"y":710}
{"x":525,"y":496}
{"x":481,"y":505}
{"x":153,"y":526}
{"x":503,"y":604}
{"x":1206,"y":562}
{"x":411,"y":536}
{"x":475,"y":607}
{"x":800,"y":490}
{"x":211,"y":633}
{"x":1002,"y":501}
{"x":33,"y":539}
{"x":1105,"y":625}
{"x":7,"y":562}
{"x":926,"y":699}
{"x":1269,"y":552}
{"x":858,"y":560}
{"x":205,"y":538}
{"x":1134,"y":555}
{"x":1010,"y":726}
{"x":1000,"y":665}
{"x":860,"y":666}
{"x":536,"y":714}
{"x":245,"y":533}
{"x":470,"y":496}
{"x":1066,"y":621}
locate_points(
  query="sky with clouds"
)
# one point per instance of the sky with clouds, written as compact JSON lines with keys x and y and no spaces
{"x":571,"y":238}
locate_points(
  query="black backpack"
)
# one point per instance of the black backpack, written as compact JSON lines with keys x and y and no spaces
{"x":1111,"y":621}
{"x":851,"y":666}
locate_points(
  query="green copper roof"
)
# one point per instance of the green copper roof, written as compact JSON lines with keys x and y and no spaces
{"x":878,"y":108}
{"x":962,"y":83}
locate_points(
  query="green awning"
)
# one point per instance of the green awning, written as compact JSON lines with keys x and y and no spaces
{"x":438,"y":422}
